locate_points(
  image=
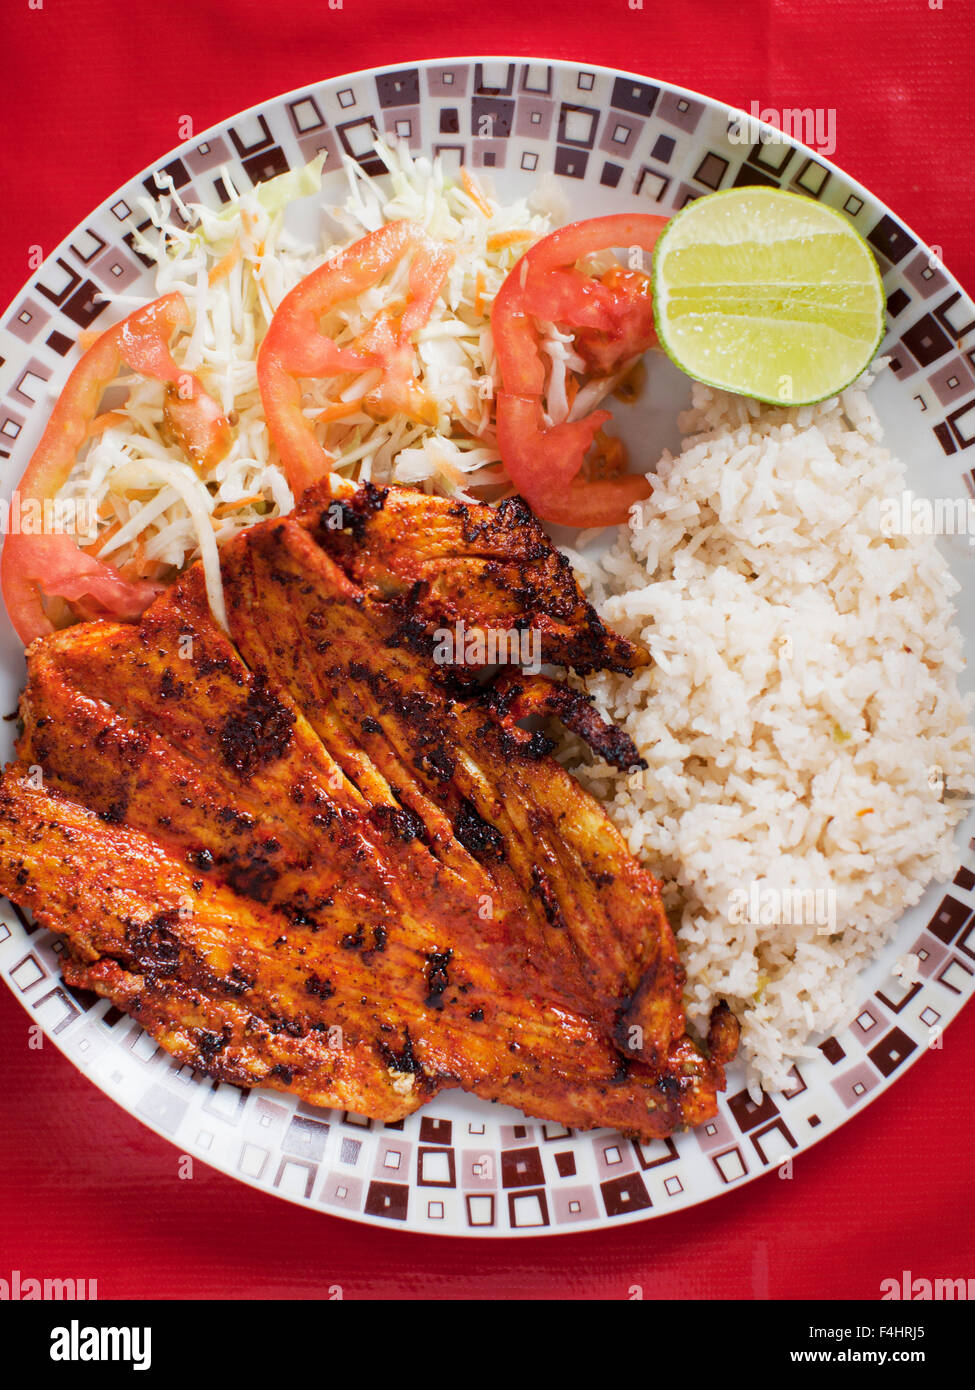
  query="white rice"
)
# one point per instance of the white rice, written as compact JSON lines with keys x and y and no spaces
{"x":801,"y":720}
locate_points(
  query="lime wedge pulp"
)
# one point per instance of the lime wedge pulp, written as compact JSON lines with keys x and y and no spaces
{"x":768,"y":294}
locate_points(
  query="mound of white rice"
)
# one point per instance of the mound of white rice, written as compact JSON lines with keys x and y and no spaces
{"x":807,"y":746}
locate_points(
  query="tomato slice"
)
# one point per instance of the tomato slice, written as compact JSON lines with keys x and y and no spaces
{"x":557,"y":451}
{"x":614,"y":319}
{"x":53,"y":565}
{"x":295,"y":347}
{"x":199,"y":425}
{"x":60,"y":569}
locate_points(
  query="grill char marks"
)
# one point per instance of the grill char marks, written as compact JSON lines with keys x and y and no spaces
{"x":284,"y":921}
{"x":513,"y":697}
{"x":467,"y":561}
{"x":477,"y":836}
{"x":257,"y":732}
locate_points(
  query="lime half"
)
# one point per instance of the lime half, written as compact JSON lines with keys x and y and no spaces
{"x":768,"y":294}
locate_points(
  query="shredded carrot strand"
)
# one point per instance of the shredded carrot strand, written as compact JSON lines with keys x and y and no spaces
{"x":101,"y":540}
{"x":135,"y":568}
{"x":105,"y":421}
{"x":226,"y":508}
{"x":475,"y":194}
{"x":339,"y":409}
{"x":500,"y":240}
{"x":479,"y":288}
{"x":226,"y":264}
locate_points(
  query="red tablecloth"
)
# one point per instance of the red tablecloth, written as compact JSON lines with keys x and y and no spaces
{"x":93,"y":91}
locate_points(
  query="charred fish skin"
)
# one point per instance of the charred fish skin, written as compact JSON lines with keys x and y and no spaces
{"x":304,"y":858}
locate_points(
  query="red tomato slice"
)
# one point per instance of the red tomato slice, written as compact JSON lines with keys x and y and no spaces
{"x":53,"y":565}
{"x":295,"y":347}
{"x":615,"y":321}
{"x":61,"y":570}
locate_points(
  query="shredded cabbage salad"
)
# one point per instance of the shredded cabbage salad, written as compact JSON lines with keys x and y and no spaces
{"x":157,"y":513}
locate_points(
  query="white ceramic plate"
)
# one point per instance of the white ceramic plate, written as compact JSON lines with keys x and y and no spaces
{"x":614,"y":142}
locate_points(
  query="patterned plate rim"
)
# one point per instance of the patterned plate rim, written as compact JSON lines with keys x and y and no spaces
{"x":952,"y":1008}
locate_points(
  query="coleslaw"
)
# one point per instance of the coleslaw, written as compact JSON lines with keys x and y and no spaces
{"x":234,"y":266}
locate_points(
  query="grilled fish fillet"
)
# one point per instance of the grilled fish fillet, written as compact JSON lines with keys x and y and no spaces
{"x":455,"y":561}
{"x":305,"y":857}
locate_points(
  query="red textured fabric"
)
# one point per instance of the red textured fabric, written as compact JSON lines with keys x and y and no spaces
{"x":93,"y":91}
